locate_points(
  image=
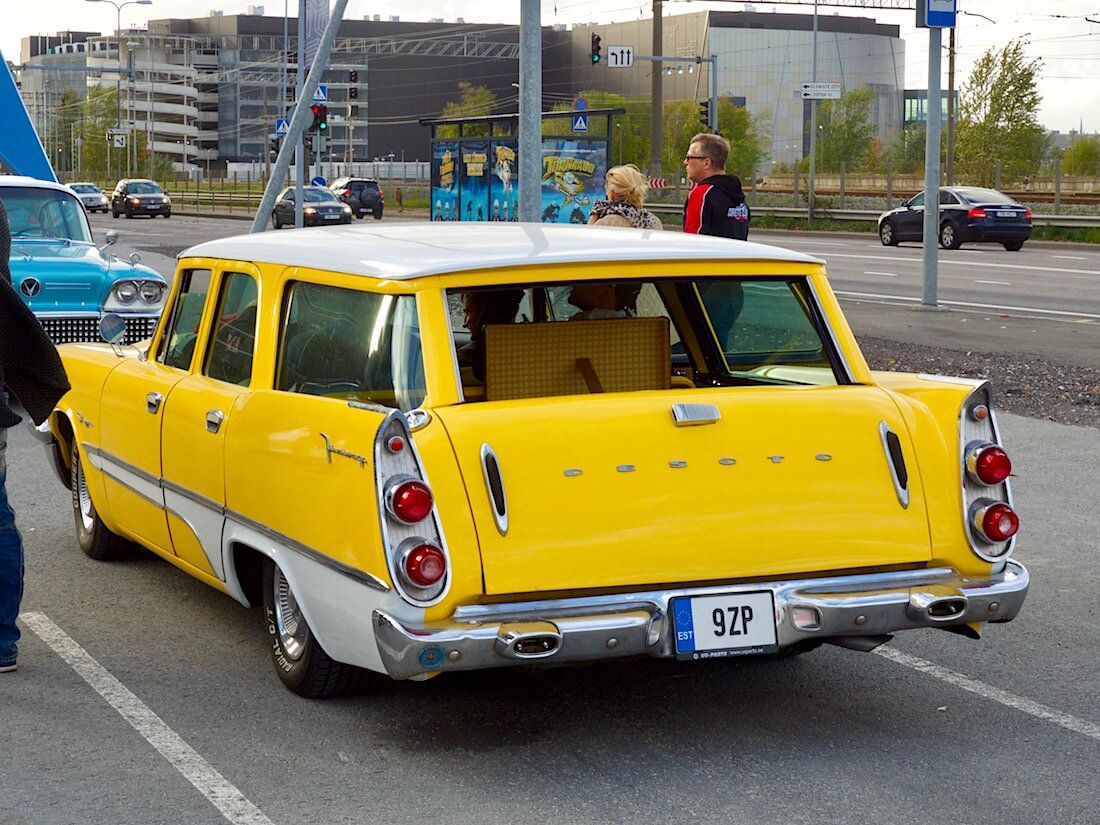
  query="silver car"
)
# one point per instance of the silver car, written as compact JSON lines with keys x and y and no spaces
{"x":91,"y":196}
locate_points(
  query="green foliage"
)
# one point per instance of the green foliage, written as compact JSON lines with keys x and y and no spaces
{"x":100,"y":109}
{"x":748,"y":143}
{"x":906,"y":151}
{"x":1082,"y":157}
{"x":845,"y":131}
{"x":998,"y":119}
{"x":474,"y":101}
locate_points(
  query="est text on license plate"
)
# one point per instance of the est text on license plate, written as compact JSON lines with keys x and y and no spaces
{"x":731,"y":624}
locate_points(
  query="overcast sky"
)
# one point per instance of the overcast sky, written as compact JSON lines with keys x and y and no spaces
{"x":1059,"y":32}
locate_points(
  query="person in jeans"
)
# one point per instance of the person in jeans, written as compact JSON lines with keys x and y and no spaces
{"x":31,"y":370}
{"x":716,"y":203}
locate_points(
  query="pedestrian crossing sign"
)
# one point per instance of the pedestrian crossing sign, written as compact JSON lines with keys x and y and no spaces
{"x":580,"y":123}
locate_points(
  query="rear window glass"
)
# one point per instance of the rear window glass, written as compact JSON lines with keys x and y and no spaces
{"x":603,"y":336}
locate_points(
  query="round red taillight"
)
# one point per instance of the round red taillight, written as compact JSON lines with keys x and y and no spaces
{"x":395,"y":444}
{"x":992,"y":465}
{"x":410,"y":501}
{"x":1000,"y":522}
{"x":425,"y":565}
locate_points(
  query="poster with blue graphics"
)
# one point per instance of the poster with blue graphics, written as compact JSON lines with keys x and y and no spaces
{"x":445,"y":181}
{"x":473,"y":180}
{"x":572,"y":178}
{"x":504,"y":181}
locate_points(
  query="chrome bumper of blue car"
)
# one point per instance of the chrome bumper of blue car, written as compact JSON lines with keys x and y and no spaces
{"x":562,"y":631}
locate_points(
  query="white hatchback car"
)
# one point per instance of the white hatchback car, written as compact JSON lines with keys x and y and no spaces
{"x":91,"y":196}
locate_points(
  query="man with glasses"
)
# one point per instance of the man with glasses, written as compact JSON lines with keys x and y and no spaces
{"x":716,"y":203}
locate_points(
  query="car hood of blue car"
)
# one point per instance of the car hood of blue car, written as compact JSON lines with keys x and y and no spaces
{"x":60,"y":275}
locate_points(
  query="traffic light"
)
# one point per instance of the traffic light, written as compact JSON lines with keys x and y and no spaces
{"x":275,"y":146}
{"x":704,"y":113}
{"x":353,"y":90}
{"x":320,"y":118}
{"x":596,"y":49}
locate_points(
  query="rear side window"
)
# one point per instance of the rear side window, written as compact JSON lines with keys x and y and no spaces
{"x":343,"y":343}
{"x":177,"y":345}
{"x":234,"y":344}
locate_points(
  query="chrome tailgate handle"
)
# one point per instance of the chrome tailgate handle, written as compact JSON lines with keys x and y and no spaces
{"x":692,"y":415}
{"x":152,"y":402}
{"x":214,"y":419}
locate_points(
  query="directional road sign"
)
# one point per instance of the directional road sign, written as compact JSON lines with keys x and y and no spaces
{"x":580,"y":123}
{"x":620,"y":57}
{"x":820,"y":91}
{"x":282,"y":127}
{"x":120,"y":141}
{"x":321,"y":95}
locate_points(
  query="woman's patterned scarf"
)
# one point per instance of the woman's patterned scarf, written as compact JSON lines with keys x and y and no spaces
{"x":639,"y":218}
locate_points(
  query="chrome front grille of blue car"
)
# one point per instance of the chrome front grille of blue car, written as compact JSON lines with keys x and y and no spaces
{"x":74,"y":330}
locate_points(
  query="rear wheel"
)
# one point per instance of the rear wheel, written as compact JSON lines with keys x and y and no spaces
{"x":301,"y":662}
{"x":1014,"y":246}
{"x":886,"y":234}
{"x":94,"y":538}
{"x":378,"y":214}
{"x":949,"y":236}
{"x":114,"y":212}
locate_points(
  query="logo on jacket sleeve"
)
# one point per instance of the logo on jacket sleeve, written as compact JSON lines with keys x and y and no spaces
{"x":738,"y":213}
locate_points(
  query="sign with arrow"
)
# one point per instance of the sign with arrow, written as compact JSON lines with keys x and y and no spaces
{"x":620,"y":57}
{"x":820,"y":91}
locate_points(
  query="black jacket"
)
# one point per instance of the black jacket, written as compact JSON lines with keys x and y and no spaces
{"x":716,"y":206}
{"x":30,"y":368}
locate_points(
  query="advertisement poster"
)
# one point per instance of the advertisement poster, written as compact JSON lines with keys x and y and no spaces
{"x":572,"y":178}
{"x":473,"y":187}
{"x":504,"y":183}
{"x":445,"y":181}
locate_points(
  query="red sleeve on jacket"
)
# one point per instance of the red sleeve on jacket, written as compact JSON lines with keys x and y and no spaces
{"x":693,"y":209}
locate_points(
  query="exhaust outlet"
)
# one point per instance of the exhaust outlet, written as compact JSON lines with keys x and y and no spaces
{"x":936,"y":603}
{"x":528,"y":640}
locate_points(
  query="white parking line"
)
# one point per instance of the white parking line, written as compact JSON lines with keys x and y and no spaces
{"x":1070,"y":257}
{"x":1003,"y":697}
{"x":996,"y":283}
{"x":230,"y":802}
{"x":887,"y":274}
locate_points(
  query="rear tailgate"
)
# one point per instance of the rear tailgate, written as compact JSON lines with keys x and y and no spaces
{"x":604,"y":491}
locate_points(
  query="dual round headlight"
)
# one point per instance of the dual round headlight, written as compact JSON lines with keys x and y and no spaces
{"x":150,"y":292}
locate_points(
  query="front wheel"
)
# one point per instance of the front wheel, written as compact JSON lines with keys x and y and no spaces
{"x":886,"y":234}
{"x":94,"y":538}
{"x":275,"y":222}
{"x":301,"y":662}
{"x":378,"y":214}
{"x":949,"y":236}
{"x":1014,"y":246}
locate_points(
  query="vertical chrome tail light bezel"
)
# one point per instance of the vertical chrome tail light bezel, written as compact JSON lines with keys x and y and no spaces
{"x":978,"y":424}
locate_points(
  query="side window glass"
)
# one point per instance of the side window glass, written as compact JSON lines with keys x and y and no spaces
{"x":234,"y":343}
{"x":342,"y":343}
{"x":947,"y":197}
{"x":918,"y":200}
{"x":177,"y":345}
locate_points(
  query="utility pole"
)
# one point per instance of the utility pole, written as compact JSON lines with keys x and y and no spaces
{"x":951,"y":108}
{"x":656,"y":96}
{"x":530,"y":111}
{"x":813,"y":131}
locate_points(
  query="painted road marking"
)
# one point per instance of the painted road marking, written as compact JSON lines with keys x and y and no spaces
{"x":984,"y":264}
{"x":1082,"y":317}
{"x":230,"y":802}
{"x":997,"y":283}
{"x":1070,"y":257}
{"x":1002,"y":697}
{"x":875,"y":272}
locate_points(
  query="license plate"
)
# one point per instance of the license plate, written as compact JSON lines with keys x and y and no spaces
{"x":732,"y":624}
{"x":1005,"y":213}
{"x":332,"y":217}
{"x":155,"y":208}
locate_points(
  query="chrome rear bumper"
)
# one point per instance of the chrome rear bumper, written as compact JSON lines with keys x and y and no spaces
{"x":561,"y":631}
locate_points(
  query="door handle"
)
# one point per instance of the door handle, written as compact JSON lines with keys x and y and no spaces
{"x":152,"y":402}
{"x":214,"y":419}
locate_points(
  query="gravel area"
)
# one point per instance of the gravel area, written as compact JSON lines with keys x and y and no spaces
{"x":1021,"y":384}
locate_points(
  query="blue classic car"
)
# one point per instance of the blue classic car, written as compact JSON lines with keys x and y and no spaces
{"x":66,"y":280}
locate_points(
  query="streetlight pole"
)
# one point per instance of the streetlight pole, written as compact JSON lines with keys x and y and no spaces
{"x":118,"y":77}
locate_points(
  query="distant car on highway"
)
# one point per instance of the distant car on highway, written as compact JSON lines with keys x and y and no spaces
{"x":67,"y":281}
{"x":320,"y":206}
{"x":91,"y":196}
{"x":967,"y":214}
{"x":140,"y":196}
{"x":362,"y":194}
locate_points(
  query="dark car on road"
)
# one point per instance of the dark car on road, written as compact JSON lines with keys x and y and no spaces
{"x":140,"y":196}
{"x":363,"y":195}
{"x":967,"y":214}
{"x":320,"y":206}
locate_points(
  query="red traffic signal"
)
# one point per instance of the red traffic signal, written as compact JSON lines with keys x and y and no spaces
{"x":320,"y":117}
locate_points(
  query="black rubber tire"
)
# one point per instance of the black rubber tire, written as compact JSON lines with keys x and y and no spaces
{"x":94,"y":539}
{"x":167,"y":215}
{"x":378,"y":214}
{"x":949,"y":236}
{"x":114,"y":214}
{"x":275,"y":222}
{"x":1014,"y":246}
{"x":309,"y":672}
{"x":129,"y":214}
{"x":887,"y":235}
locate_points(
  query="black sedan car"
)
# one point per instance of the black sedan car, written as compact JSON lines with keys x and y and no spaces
{"x":967,"y":214}
{"x":320,"y":206}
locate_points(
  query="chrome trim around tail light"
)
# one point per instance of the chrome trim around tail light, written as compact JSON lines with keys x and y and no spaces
{"x":978,"y":424}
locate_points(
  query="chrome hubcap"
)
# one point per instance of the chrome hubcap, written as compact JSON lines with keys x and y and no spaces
{"x":289,"y":624}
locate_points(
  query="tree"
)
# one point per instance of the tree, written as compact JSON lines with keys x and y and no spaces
{"x":845,"y":131}
{"x":474,"y":101}
{"x":1082,"y":157}
{"x":748,"y":144}
{"x":99,"y":115}
{"x":998,"y":118}
{"x":629,"y":131}
{"x":907,"y":150}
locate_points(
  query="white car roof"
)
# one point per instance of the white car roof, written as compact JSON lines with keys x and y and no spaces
{"x":400,"y":251}
{"x":24,"y":181}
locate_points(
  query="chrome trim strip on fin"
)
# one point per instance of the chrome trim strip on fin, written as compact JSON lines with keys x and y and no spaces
{"x":693,"y":415}
{"x":899,"y":475}
{"x":494,"y":484}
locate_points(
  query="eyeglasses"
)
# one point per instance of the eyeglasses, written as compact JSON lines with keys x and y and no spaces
{"x":694,"y":157}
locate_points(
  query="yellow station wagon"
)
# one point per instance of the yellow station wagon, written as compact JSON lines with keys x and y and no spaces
{"x":436,"y":447}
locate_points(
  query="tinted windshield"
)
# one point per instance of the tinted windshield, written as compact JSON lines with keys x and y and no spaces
{"x":318,"y":195}
{"x":45,"y":213}
{"x":84,"y":188}
{"x":144,"y":187}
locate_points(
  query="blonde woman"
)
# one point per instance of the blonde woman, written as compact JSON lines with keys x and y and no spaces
{"x":626,"y":190}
